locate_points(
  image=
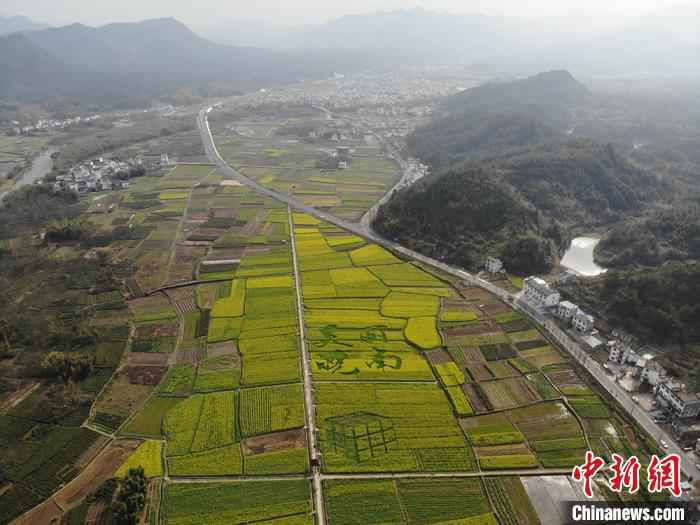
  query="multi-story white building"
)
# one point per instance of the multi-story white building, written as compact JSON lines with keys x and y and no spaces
{"x":493,"y":264}
{"x":566,"y":310}
{"x":537,"y":291}
{"x":682,"y":403}
{"x":582,"y":322}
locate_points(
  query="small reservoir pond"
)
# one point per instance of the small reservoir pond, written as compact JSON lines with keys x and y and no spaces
{"x":579,"y":257}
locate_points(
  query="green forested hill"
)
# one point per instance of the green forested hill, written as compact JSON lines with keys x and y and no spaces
{"x":516,"y":204}
{"x":671,"y":234}
{"x":453,"y":138}
{"x":550,"y":97}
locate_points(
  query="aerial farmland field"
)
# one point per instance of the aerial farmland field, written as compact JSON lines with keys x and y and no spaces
{"x":199,"y":371}
{"x":281,"y":155}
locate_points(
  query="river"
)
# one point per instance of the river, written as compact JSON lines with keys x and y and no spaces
{"x":579,"y":257}
{"x":41,"y":166}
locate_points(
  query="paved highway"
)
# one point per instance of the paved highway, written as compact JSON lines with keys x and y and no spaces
{"x":657,"y":433}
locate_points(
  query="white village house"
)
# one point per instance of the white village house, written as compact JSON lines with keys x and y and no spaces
{"x":683,"y":403}
{"x":493,"y":264}
{"x":566,"y":310}
{"x":582,"y":321}
{"x":653,"y":373}
{"x":538,"y":292}
{"x":616,"y":351}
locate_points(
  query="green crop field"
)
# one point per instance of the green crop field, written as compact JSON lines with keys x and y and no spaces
{"x":149,"y":420}
{"x":148,"y":455}
{"x":292,"y":461}
{"x":233,"y":305}
{"x":263,"y":502}
{"x":419,"y":416}
{"x":179,"y":380}
{"x":412,"y":370}
{"x":404,"y":274}
{"x":399,"y":304}
{"x":510,"y":501}
{"x":407,"y":502}
{"x":422,"y":332}
{"x":543,"y":421}
{"x":269,"y":409}
{"x":216,"y":426}
{"x":427,"y":501}
{"x":222,"y":461}
{"x":372,"y":255}
{"x":491,"y":429}
{"x":351,"y":319}
{"x":37,"y":459}
{"x":362,"y":502}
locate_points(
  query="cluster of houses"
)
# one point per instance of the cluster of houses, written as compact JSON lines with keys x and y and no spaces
{"x":539,"y":293}
{"x":49,"y":124}
{"x":674,"y":402}
{"x":340,"y":159}
{"x":104,"y":174}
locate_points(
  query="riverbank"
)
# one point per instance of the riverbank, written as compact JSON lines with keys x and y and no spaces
{"x":41,"y":166}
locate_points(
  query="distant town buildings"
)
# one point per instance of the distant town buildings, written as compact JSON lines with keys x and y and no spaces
{"x":49,"y":124}
{"x":343,"y":157}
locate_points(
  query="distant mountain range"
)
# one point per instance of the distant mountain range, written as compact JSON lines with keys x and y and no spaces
{"x":665,"y":42}
{"x":129,"y":61}
{"x":14,"y":24}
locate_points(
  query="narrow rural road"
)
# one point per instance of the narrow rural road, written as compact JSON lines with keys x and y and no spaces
{"x":381,"y":475}
{"x":408,"y":172}
{"x":178,"y":232}
{"x":689,"y":460}
{"x":309,"y":403}
{"x":440,"y":475}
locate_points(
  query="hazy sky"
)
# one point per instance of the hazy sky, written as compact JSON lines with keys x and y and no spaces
{"x":95,"y":12}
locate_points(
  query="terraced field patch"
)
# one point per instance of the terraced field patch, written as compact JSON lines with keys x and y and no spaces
{"x":491,"y":430}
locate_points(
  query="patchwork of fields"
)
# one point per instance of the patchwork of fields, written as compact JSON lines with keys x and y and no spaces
{"x":284,"y":155}
{"x":417,"y":372}
{"x":413,"y":372}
